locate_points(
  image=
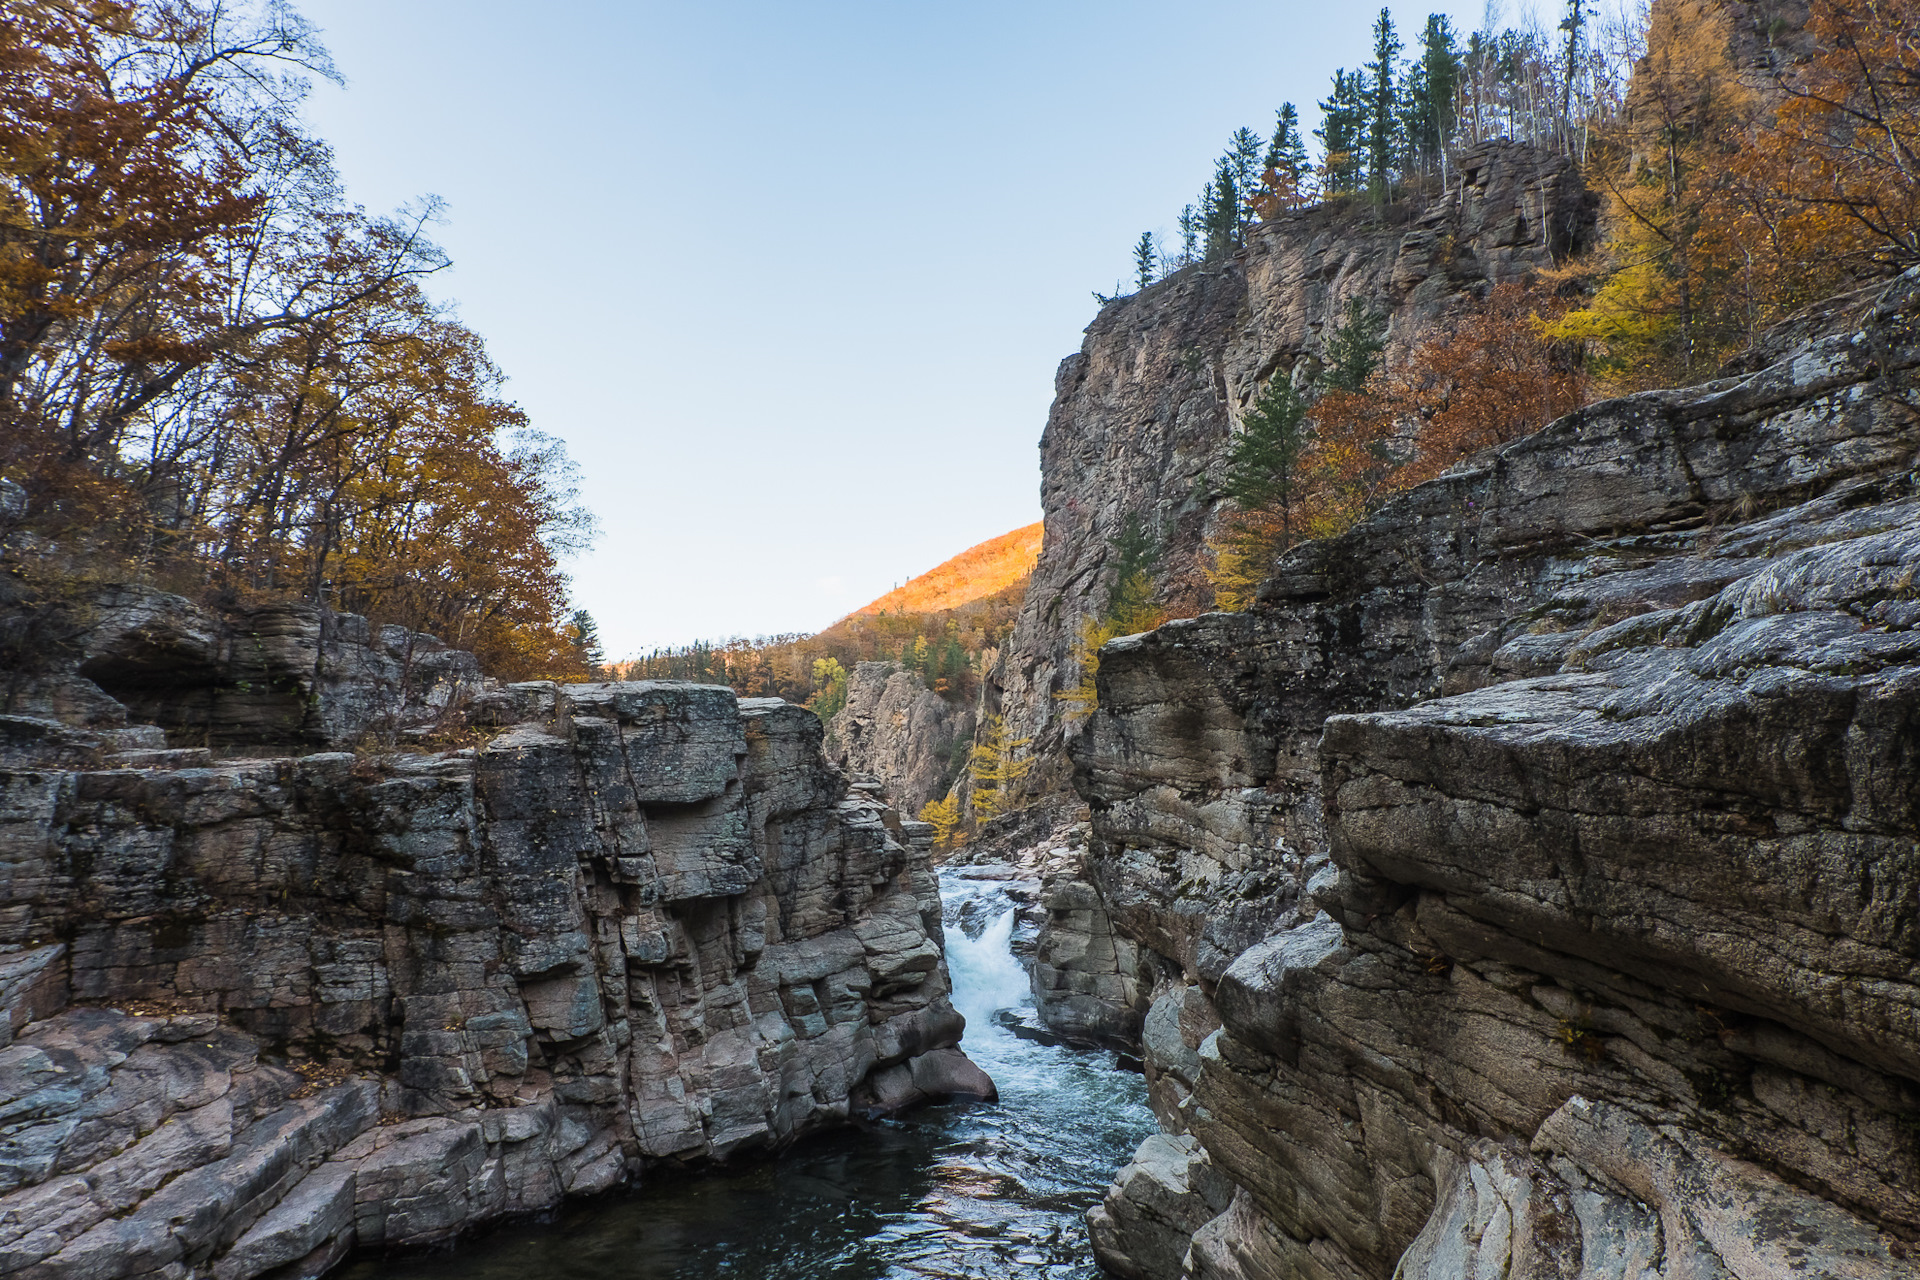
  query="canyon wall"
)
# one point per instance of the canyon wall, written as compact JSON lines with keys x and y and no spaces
{"x":1530,"y":883}
{"x":1143,"y":414}
{"x":260,"y":1011}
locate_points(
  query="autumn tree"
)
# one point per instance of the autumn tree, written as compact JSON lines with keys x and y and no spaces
{"x":1133,"y":554}
{"x":1494,"y":377}
{"x":943,"y":816}
{"x":1673,"y":300}
{"x":1832,"y":181}
{"x":829,"y":688}
{"x":1284,"y":168}
{"x":214,"y":371}
{"x":997,"y":765}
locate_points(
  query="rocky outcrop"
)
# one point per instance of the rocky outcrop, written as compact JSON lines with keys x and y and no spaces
{"x":1583,"y":785}
{"x":895,"y":729}
{"x":1143,"y":414}
{"x":259,"y":1012}
{"x":280,"y":677}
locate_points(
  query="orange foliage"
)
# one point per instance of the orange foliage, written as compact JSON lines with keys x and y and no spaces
{"x":216,"y":374}
{"x":1493,"y":378}
{"x":1834,"y":180}
{"x":974,"y":574}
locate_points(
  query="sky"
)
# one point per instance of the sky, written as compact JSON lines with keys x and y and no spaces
{"x":791,"y":279}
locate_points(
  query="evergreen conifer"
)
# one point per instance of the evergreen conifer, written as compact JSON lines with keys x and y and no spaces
{"x":1286,"y":158}
{"x":1382,"y":134}
{"x":1343,"y":122}
{"x":1354,"y":348}
{"x":1263,"y":466}
{"x":1146,"y":259}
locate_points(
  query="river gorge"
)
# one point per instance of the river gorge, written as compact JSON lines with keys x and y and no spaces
{"x":965,"y":1189}
{"x":1527,"y":883}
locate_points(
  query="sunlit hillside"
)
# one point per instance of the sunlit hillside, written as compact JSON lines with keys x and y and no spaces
{"x":975,"y":573}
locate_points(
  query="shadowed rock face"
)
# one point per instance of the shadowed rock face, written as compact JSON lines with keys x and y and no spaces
{"x":1584,"y":791}
{"x":257,"y":1012}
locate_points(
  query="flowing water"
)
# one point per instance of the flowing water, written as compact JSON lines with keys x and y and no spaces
{"x":962,"y":1190}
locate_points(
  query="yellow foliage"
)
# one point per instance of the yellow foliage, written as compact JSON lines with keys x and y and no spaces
{"x":944,"y":817}
{"x":1243,"y":555}
{"x":1134,"y":612}
{"x":998,"y":768}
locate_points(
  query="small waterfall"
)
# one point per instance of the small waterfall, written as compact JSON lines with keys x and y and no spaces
{"x":987,"y":976}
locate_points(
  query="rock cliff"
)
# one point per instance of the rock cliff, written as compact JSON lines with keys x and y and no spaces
{"x":897,"y":731}
{"x":1530,"y":884}
{"x":260,"y":1011}
{"x":1143,"y":414}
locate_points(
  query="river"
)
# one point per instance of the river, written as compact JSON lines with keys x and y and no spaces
{"x":962,"y":1190}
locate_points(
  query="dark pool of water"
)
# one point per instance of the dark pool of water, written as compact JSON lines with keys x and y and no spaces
{"x":953,"y":1191}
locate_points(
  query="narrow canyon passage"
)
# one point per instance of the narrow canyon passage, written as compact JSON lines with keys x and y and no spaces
{"x":961,"y":1190}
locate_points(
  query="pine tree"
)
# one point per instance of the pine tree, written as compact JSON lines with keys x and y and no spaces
{"x":1220,"y":211}
{"x":1427,"y":108}
{"x":1262,"y":468}
{"x":1190,"y":226}
{"x":1244,"y":150}
{"x":583,"y":635}
{"x":1285,"y":163}
{"x":1354,"y":348}
{"x":1382,"y":121}
{"x":1343,"y":120}
{"x":1146,"y":259}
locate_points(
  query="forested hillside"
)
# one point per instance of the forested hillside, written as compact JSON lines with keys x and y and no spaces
{"x":945,"y":626}
{"x":220,"y":376}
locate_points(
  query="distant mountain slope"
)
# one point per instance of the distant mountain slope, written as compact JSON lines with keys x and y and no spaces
{"x":972,"y":575}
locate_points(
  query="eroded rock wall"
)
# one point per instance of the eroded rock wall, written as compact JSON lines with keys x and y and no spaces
{"x":1143,"y":414}
{"x":260,"y":1012}
{"x":1571,"y":798}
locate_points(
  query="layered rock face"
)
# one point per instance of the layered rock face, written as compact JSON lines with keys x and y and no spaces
{"x":897,"y":731}
{"x":1575,"y":801}
{"x":261,"y":1011}
{"x":1143,"y":414}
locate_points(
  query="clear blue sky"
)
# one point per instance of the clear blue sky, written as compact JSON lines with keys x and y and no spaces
{"x":791,"y":279}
